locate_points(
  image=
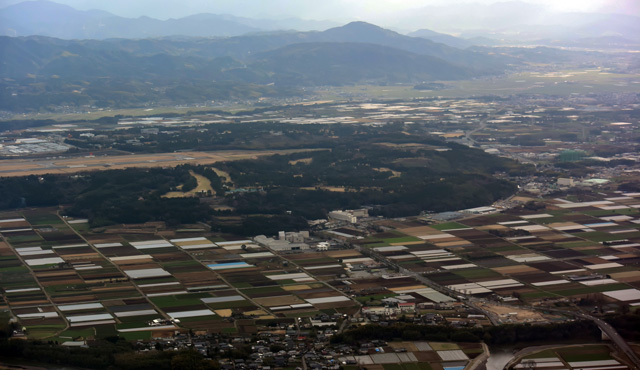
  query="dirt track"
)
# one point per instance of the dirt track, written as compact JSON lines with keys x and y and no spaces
{"x":24,"y":167}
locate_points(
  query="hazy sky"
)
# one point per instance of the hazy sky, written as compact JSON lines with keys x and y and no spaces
{"x":314,"y":9}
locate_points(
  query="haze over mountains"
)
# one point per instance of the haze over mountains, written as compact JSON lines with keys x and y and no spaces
{"x":484,"y":24}
{"x":47,"y":18}
{"x":354,"y":52}
{"x":65,"y":57}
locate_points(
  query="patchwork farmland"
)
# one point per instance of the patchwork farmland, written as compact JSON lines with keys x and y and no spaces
{"x":582,"y":252}
{"x":59,"y":278}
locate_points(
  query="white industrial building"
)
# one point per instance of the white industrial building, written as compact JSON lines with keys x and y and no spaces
{"x":350,"y":216}
{"x":480,"y":210}
{"x":280,"y":245}
{"x":293,"y":237}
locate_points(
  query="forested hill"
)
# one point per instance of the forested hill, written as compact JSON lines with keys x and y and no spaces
{"x":40,"y":72}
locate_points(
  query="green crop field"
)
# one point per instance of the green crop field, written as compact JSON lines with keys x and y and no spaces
{"x":437,"y":346}
{"x":598,"y":236}
{"x":477,"y":273}
{"x":585,"y":353}
{"x":449,"y":226}
{"x":181,"y":300}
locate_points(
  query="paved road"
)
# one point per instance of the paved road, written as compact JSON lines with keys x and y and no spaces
{"x":609,"y":330}
{"x":615,"y":338}
{"x":483,"y":124}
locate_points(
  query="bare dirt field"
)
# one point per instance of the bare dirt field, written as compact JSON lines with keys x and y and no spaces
{"x":521,"y":315}
{"x":278,"y":300}
{"x":24,"y":167}
{"x":343,"y":253}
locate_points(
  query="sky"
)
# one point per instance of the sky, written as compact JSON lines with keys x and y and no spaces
{"x":316,"y":9}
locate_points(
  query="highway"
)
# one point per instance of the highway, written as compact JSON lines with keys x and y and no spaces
{"x":606,"y":328}
{"x":615,"y":337}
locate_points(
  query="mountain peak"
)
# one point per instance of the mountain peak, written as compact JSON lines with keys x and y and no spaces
{"x":37,"y":5}
{"x":360,"y":32}
{"x":360,"y":26}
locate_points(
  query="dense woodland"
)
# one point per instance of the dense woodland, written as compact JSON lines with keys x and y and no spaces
{"x":493,"y":335}
{"x":110,"y":353}
{"x":627,"y":325}
{"x":115,"y":353}
{"x":396,"y":170}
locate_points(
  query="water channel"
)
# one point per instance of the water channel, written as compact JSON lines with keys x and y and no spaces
{"x":499,"y":357}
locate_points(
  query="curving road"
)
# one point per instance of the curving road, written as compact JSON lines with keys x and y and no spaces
{"x":609,"y":330}
{"x":615,"y":338}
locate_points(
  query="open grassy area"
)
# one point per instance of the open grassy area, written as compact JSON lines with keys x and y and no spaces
{"x":477,"y":273}
{"x":405,"y":239}
{"x":560,"y":83}
{"x":314,"y":261}
{"x":179,"y":300}
{"x":303,"y":314}
{"x":437,"y":346}
{"x":137,"y":319}
{"x":43,"y":218}
{"x":134,"y":112}
{"x":410,"y":366}
{"x":132,"y":325}
{"x":536,"y":295}
{"x":187,"y":263}
{"x":81,"y":228}
{"x":570,"y":245}
{"x":234,"y":304}
{"x":592,"y":289}
{"x":600,"y":213}
{"x":43,"y":331}
{"x":543,"y":354}
{"x":392,"y":367}
{"x":505,"y":248}
{"x":201,"y":318}
{"x":23,"y":239}
{"x":266,"y":289}
{"x":136,"y":335}
{"x":204,"y":185}
{"x":585,"y":353}
{"x":449,"y":226}
{"x":375,"y":297}
{"x":74,"y":334}
{"x":424,"y":366}
{"x":598,"y":236}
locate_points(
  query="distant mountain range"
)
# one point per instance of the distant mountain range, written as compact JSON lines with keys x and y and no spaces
{"x":518,"y":21}
{"x":46,"y":18}
{"x":41,"y":71}
{"x":348,"y":54}
{"x":38,"y":71}
{"x":503,"y":23}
